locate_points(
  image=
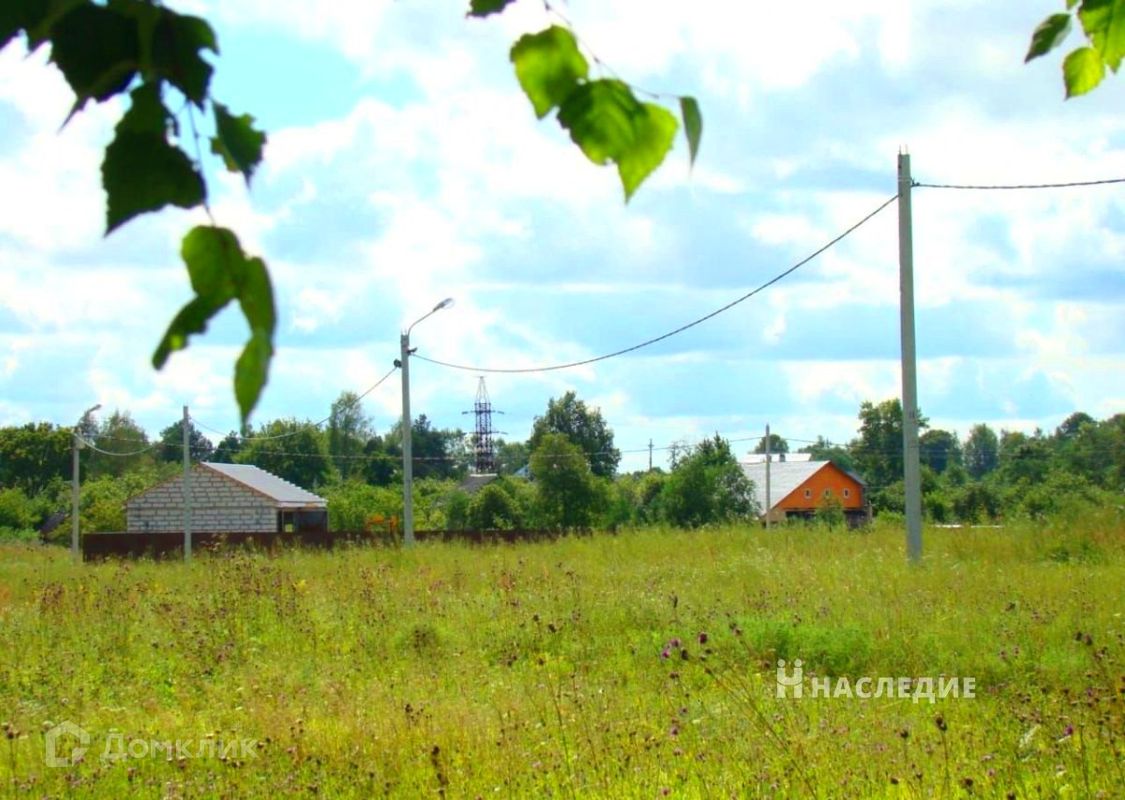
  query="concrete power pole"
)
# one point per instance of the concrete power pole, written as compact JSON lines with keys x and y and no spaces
{"x":768,"y":477}
{"x":187,"y":485}
{"x":912,"y":469}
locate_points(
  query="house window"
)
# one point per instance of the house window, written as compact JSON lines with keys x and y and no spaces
{"x":847,"y":493}
{"x":827,"y":492}
{"x":808,"y":494}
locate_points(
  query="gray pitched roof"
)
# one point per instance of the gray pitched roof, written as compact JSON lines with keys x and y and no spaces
{"x":286,"y":494}
{"x":785,"y":476}
{"x":477,"y":481}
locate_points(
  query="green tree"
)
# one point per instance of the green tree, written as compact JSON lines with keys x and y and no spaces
{"x":382,"y":464}
{"x":33,"y":455}
{"x":349,"y":430}
{"x":878,"y":450}
{"x":295,"y":451}
{"x":172,"y":443}
{"x":17,"y":513}
{"x":1023,"y":458}
{"x":122,"y":446}
{"x":156,"y":56}
{"x":228,"y":449}
{"x":824,"y":450}
{"x":584,"y":427}
{"x":567,"y":491}
{"x":492,"y":508}
{"x":437,"y":452}
{"x":777,"y":444}
{"x":511,"y":457}
{"x":707,"y":485}
{"x":939,"y":449}
{"x":981,"y":452}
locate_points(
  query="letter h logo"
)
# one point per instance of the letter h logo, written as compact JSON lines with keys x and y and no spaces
{"x":784,"y":680}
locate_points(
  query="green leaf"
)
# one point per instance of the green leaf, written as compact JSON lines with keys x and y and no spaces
{"x":482,"y":8}
{"x":1104,"y":24}
{"x":177,"y":43}
{"x":35,"y":17}
{"x":192,"y":318}
{"x":608,"y":123}
{"x":142,"y":172}
{"x":236,"y":140}
{"x":1083,"y":69}
{"x":1048,"y":35}
{"x":251,"y":372}
{"x":655,"y":131}
{"x":549,"y":67}
{"x":693,"y":124}
{"x":147,"y":115}
{"x":97,"y":50}
{"x":17,"y":15}
{"x":214,"y":262}
{"x":255,"y":295}
{"x":220,"y":271}
{"x":601,"y":118}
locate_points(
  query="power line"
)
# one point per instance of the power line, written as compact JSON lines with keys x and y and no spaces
{"x":1013,"y":186}
{"x":246,"y":439}
{"x":680,"y":329}
{"x":97,"y":449}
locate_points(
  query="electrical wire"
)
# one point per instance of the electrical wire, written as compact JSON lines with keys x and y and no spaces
{"x":246,"y":439}
{"x":680,"y":329}
{"x":1015,"y":186}
{"x":97,"y":449}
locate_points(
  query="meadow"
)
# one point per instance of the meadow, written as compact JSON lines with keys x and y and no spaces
{"x":636,"y":664}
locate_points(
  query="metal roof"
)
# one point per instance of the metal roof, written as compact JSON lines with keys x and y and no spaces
{"x":760,"y":458}
{"x":284,"y":493}
{"x":477,"y":481}
{"x":785,"y":477}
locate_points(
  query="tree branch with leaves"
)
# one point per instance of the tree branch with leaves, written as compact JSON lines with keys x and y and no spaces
{"x":160,"y":59}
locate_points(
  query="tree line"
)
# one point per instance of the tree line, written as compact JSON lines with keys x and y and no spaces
{"x":564,"y":476}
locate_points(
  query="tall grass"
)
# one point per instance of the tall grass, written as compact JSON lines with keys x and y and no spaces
{"x":545,"y":669}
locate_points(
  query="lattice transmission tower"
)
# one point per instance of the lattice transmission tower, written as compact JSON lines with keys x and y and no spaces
{"x":484,"y":453}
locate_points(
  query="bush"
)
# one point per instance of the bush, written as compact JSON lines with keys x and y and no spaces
{"x":493,"y":508}
{"x":17,"y":512}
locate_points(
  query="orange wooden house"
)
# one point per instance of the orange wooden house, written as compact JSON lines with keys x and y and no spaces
{"x":799,"y":488}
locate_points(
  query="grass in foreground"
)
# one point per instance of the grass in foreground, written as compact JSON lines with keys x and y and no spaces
{"x":546,"y":670}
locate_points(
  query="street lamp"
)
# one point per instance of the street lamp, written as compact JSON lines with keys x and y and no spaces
{"x":76,"y":446}
{"x":407,"y":429}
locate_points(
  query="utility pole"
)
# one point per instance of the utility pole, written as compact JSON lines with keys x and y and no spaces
{"x":76,"y":445}
{"x":407,"y":445}
{"x":650,"y":455}
{"x":407,"y":428}
{"x":912,"y":470}
{"x":187,"y":485}
{"x":768,"y":459}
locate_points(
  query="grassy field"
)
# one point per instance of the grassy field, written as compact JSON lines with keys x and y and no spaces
{"x":552,"y":670}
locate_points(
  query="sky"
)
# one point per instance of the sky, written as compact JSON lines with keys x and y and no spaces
{"x":404,"y":166}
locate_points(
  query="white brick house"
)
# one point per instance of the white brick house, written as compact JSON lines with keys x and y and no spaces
{"x":227,"y":498}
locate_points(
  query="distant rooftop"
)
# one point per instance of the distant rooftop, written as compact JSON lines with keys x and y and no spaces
{"x":477,"y":481}
{"x":284,"y":493}
{"x":760,"y":458}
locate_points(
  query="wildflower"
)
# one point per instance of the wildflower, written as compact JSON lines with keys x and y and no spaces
{"x":702,"y":637}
